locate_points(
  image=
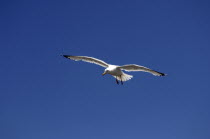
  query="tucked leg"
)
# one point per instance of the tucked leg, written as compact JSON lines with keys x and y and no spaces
{"x":121,"y":80}
{"x":117,"y":81}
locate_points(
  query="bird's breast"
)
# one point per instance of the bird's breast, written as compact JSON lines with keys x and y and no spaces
{"x":115,"y":72}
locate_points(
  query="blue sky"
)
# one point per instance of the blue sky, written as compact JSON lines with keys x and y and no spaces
{"x":45,"y":96}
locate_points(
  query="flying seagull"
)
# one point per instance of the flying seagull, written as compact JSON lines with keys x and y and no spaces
{"x":114,"y":70}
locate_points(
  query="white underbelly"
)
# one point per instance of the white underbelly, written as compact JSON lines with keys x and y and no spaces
{"x":116,"y":72}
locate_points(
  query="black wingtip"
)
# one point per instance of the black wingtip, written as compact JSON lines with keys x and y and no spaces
{"x":163,"y":74}
{"x":66,"y":56}
{"x":160,"y":74}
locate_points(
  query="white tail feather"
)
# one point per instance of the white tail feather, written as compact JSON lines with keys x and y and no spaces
{"x":124,"y":77}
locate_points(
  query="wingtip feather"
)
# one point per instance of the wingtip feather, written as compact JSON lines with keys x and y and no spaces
{"x":66,"y":56}
{"x":163,"y":74}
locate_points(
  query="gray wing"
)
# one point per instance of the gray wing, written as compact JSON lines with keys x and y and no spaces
{"x":134,"y":67}
{"x":88,"y":59}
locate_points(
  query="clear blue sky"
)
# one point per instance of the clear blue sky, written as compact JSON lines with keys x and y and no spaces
{"x":45,"y":96}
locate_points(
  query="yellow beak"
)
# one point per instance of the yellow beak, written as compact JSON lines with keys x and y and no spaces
{"x":103,"y":73}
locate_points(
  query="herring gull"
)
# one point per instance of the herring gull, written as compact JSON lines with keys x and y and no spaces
{"x":114,"y":70}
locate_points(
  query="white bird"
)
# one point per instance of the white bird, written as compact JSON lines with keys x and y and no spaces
{"x":114,"y":70}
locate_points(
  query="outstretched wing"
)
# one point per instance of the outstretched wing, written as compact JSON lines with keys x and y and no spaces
{"x":88,"y":59}
{"x":134,"y":67}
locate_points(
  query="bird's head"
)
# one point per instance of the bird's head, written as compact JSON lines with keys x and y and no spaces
{"x":105,"y":72}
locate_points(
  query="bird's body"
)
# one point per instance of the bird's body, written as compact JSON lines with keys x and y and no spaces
{"x":114,"y":70}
